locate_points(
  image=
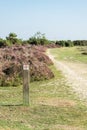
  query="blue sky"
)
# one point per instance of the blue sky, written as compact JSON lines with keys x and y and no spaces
{"x":58,"y":19}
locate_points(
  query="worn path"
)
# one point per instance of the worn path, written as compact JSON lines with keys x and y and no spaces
{"x":75,"y":73}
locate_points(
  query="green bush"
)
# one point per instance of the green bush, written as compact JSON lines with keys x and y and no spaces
{"x":63,"y":43}
{"x":12,"y":39}
{"x":80,"y":43}
{"x":69,"y":43}
{"x":38,"y":39}
{"x":2,"y":42}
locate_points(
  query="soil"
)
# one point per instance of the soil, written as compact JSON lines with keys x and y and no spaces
{"x":75,"y":73}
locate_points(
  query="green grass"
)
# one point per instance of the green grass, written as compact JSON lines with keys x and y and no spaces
{"x":53,"y":106}
{"x":73,"y":54}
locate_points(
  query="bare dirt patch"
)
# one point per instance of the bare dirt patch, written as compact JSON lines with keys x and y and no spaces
{"x":65,"y":127}
{"x":7,"y":128}
{"x":56,"y":102}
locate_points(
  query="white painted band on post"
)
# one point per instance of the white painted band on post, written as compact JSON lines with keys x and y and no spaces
{"x":25,"y":67}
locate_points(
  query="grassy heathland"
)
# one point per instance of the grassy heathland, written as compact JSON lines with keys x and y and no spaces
{"x":53,"y":106}
{"x":73,"y":54}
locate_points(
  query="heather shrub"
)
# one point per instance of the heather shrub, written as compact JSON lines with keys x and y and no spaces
{"x":12,"y":59}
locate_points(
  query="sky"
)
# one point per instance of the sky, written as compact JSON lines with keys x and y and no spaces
{"x":58,"y":19}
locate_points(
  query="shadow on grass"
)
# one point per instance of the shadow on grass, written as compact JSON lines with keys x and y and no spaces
{"x":9,"y":105}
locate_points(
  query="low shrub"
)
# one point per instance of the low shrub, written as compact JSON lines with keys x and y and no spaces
{"x":12,"y":60}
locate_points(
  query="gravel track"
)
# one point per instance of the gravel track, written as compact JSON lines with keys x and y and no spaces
{"x":75,"y":73}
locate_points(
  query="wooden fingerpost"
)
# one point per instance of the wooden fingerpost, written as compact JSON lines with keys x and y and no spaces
{"x":26,"y":79}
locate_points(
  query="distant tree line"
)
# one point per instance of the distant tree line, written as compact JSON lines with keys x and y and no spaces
{"x":39,"y":39}
{"x":70,"y":43}
{"x":64,"y":43}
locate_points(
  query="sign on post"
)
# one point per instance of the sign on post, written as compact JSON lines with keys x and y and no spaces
{"x":25,"y":67}
{"x":26,"y":79}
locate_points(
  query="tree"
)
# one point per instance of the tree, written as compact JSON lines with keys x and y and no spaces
{"x":61,"y":43}
{"x":12,"y":39}
{"x":2,"y":43}
{"x":69,"y":43}
{"x":38,"y":39}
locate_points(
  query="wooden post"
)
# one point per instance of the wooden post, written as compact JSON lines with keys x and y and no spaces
{"x":26,"y":79}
